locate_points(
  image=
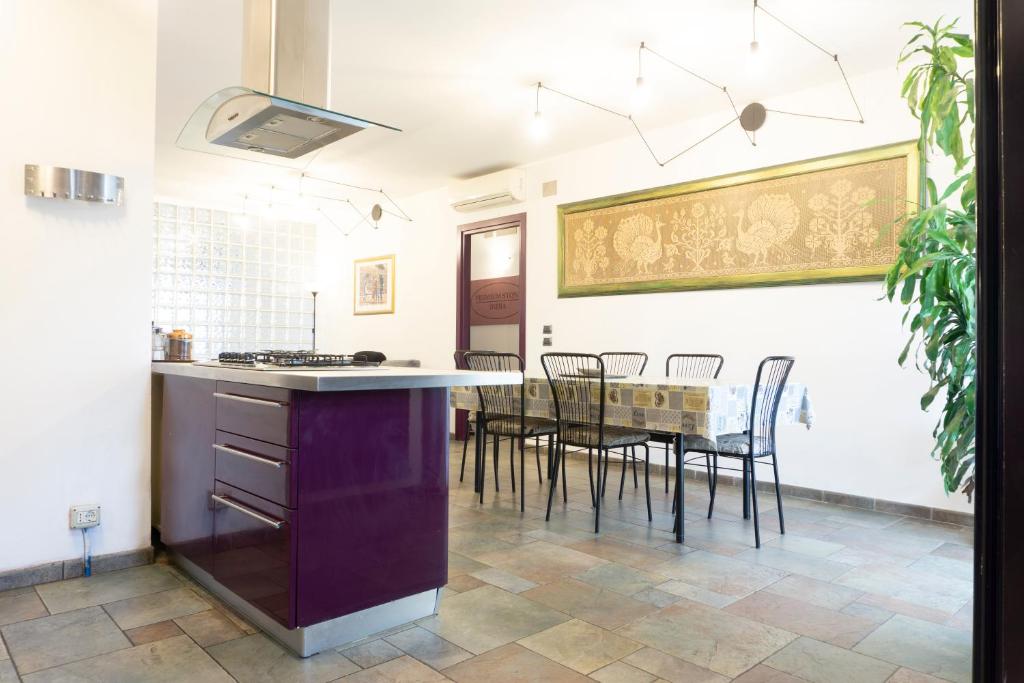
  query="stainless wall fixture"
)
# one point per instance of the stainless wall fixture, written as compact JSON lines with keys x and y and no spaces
{"x":57,"y":182}
{"x":281,"y":108}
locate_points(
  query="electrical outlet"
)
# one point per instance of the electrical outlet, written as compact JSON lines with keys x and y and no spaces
{"x":84,"y":516}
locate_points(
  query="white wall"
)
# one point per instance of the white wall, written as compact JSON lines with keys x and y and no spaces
{"x":79,"y":80}
{"x":870,"y":437}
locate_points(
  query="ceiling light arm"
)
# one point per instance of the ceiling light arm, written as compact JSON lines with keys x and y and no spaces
{"x":566,"y":95}
{"x":684,"y":151}
{"x":404,"y":216}
{"x":681,"y":67}
{"x":790,"y":29}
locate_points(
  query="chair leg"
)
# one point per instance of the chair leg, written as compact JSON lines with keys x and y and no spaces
{"x":714,"y":484}
{"x":522,"y":469}
{"x":565,"y":490}
{"x":666,"y":469}
{"x":512,"y":459}
{"x":746,"y":490}
{"x":622,"y":480}
{"x":554,"y":485}
{"x":604,"y":480}
{"x":636,"y":483}
{"x":481,"y":470}
{"x":590,"y":473}
{"x":497,"y":441}
{"x":647,"y":480}
{"x":707,"y":467}
{"x":753,"y":502}
{"x":597,"y":501}
{"x":778,"y":494}
{"x":551,"y":453}
{"x":465,"y":446}
{"x":536,"y":452}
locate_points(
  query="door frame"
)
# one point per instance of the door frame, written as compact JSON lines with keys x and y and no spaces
{"x":462,"y":300}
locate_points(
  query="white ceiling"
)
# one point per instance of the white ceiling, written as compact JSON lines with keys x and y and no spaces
{"x":457,"y":75}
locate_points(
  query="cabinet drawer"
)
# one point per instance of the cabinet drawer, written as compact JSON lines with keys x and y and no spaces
{"x":254,"y":551}
{"x":257,"y":412}
{"x":260,"y":468}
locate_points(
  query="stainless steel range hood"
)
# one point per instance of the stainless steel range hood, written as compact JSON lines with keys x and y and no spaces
{"x":281,"y":108}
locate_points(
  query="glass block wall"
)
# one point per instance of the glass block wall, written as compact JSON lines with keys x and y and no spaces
{"x":236,"y":282}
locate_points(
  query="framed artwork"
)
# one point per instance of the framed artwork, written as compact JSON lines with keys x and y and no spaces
{"x":833,"y":219}
{"x":374,"y":287}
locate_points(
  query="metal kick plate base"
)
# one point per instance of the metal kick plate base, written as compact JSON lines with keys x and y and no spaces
{"x":309,"y":640}
{"x":57,"y":182}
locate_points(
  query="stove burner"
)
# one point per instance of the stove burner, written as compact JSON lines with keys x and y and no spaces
{"x":289,"y":359}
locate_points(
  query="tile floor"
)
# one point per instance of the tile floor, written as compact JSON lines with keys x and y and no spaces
{"x":845,"y":595}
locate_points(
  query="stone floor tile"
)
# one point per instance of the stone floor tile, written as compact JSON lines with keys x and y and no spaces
{"x":669,"y":668}
{"x":257,"y":659}
{"x":620,"y":672}
{"x":955,"y":551}
{"x":463,"y":583}
{"x":923,"y":646}
{"x":149,"y":609}
{"x":803,"y":545}
{"x":723,"y":575}
{"x":823,"y":624}
{"x":795,"y":563}
{"x":64,"y":596}
{"x":503,"y":579}
{"x":400,"y":670}
{"x":460,"y":564}
{"x":946,"y":594}
{"x":819,"y":662}
{"x":62,"y":638}
{"x":209,"y":628}
{"x":639,"y":557}
{"x":620,"y":578}
{"x":20,"y":604}
{"x":580,"y":646}
{"x":153,"y":632}
{"x":372,"y":653}
{"x":892,"y":606}
{"x":4,"y":655}
{"x":766,"y":674}
{"x":543,"y":562}
{"x":598,"y":606}
{"x":710,"y":638}
{"x":904,"y":675}
{"x":658,"y":598}
{"x":8,"y":674}
{"x":172,"y":659}
{"x":944,"y":566}
{"x":681,"y":589}
{"x":488,"y":617}
{"x":512,"y":663}
{"x":820,"y":593}
{"x":430,"y":649}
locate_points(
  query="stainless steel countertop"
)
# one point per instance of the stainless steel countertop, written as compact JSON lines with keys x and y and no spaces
{"x":388,"y":377}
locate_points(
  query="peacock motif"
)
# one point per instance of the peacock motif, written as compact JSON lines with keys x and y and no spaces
{"x":773,"y":220}
{"x":638,"y":239}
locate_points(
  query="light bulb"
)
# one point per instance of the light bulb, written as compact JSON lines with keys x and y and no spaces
{"x":641,"y":94}
{"x":755,"y":59}
{"x":754,"y":45}
{"x":538,"y":126}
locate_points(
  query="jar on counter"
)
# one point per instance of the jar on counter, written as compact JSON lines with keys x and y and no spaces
{"x":159,"y":344}
{"x":179,"y":345}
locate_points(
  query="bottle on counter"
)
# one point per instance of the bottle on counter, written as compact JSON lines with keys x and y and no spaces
{"x":159,"y":343}
{"x":179,"y":345}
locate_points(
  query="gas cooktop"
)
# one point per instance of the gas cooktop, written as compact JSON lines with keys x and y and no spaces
{"x":288,"y":360}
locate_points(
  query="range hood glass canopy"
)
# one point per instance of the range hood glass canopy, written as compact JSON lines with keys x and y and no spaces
{"x":246,"y":124}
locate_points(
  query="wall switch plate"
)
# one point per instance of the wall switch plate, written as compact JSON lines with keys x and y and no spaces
{"x":547,"y":329}
{"x":547,"y":341}
{"x":84,"y":516}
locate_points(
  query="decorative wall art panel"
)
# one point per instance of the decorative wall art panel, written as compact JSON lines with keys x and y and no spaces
{"x":374,"y":286}
{"x":823,"y":220}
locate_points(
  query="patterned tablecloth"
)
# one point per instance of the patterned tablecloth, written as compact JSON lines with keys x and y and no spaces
{"x":666,"y":404}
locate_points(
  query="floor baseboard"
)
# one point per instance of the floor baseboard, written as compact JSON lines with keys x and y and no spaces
{"x":73,"y":568}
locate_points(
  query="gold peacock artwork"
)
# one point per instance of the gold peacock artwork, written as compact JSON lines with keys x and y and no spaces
{"x":834,"y":219}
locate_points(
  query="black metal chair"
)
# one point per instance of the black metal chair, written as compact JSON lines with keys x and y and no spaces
{"x":578,"y":386}
{"x":758,"y":441}
{"x":504,"y":414}
{"x":692,"y":366}
{"x":471,"y":426}
{"x":624,"y":364}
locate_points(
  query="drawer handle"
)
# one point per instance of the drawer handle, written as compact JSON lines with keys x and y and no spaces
{"x":278,"y":464}
{"x":269,"y":521}
{"x":247,"y":399}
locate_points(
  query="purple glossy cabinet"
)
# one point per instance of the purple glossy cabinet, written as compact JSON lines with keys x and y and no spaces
{"x":308,"y":505}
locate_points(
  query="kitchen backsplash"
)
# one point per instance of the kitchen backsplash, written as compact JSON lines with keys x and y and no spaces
{"x":236,"y":281}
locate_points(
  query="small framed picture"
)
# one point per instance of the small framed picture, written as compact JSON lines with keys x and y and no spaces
{"x":374,"y":287}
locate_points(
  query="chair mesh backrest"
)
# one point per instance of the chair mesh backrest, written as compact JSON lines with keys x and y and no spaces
{"x":628,"y":363}
{"x":577,"y":384}
{"x":498,"y":400}
{"x":694,"y":365}
{"x":772,"y":374}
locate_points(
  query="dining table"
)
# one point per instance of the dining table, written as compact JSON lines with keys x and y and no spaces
{"x":681,"y":406}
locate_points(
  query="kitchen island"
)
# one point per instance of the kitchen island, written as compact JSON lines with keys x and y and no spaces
{"x":315,"y":502}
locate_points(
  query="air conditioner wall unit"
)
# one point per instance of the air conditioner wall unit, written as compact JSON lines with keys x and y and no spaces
{"x":484,"y":192}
